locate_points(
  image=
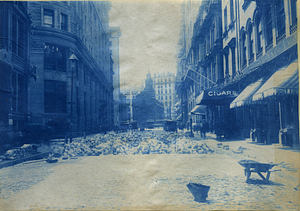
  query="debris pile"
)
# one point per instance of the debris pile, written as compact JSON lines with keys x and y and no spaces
{"x":132,"y":144}
{"x":20,"y":152}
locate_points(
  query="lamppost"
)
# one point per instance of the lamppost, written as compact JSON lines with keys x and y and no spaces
{"x":73,"y":59}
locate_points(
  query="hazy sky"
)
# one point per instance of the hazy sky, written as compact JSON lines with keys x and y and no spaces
{"x":150,"y":32}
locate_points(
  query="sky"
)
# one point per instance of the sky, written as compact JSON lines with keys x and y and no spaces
{"x":150,"y":33}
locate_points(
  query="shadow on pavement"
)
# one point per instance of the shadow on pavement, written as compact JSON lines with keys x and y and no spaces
{"x":262,"y":182}
{"x":290,"y":149}
{"x":228,"y":140}
{"x":258,"y":143}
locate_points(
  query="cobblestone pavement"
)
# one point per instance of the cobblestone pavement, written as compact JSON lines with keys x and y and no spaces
{"x":154,"y":182}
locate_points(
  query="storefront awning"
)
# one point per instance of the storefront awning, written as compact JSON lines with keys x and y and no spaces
{"x":282,"y":82}
{"x":246,"y":95}
{"x":198,"y":110}
{"x":216,"y":96}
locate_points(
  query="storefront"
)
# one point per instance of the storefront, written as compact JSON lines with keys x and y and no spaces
{"x":246,"y":111}
{"x":277,"y":101}
{"x":198,"y":114}
{"x":220,"y":117}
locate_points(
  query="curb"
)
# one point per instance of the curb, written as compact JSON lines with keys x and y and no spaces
{"x":21,"y":160}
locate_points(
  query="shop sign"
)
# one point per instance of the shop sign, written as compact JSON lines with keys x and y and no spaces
{"x":222,"y":93}
{"x":216,"y":97}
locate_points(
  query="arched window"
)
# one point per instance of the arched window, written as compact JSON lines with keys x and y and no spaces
{"x":269,"y":32}
{"x":226,"y":64}
{"x":259,"y":35}
{"x":244,"y":59}
{"x":280,"y":19}
{"x":232,"y":61}
{"x":251,"y":43}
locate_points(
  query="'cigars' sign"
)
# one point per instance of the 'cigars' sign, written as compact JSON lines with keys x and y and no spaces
{"x":216,"y":97}
{"x":222,"y":93}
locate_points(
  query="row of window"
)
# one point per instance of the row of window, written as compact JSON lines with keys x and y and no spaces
{"x":161,"y":91}
{"x":168,"y":104}
{"x":55,"y":58}
{"x":19,"y":36}
{"x":162,"y":80}
{"x":255,"y":29}
{"x":231,"y":7}
{"x":160,"y":87}
{"x":100,"y":44}
{"x":164,"y":97}
{"x":49,"y":17}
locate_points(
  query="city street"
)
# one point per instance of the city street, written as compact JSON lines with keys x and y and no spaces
{"x":154,"y":180}
{"x":149,"y":105}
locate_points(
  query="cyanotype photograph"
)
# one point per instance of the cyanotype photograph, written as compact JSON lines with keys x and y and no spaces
{"x":149,"y":105}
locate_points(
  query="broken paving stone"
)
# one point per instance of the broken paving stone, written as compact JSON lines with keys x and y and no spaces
{"x":135,"y":143}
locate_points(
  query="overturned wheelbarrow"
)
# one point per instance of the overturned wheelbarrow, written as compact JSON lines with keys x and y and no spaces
{"x":199,"y":191}
{"x":257,"y":167}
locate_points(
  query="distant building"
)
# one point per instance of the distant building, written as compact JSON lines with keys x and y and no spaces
{"x":164,"y":86}
{"x":145,"y":106}
{"x":70,"y":47}
{"x":15,"y":69}
{"x":115,"y":34}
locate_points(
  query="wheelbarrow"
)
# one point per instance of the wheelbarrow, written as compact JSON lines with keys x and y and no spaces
{"x":257,"y":167}
{"x":199,"y":191}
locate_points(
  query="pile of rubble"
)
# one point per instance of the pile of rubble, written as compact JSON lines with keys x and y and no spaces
{"x":20,"y":152}
{"x":132,"y":144}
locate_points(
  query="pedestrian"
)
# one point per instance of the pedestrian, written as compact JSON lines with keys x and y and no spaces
{"x":202,"y":130}
{"x":205,"y":129}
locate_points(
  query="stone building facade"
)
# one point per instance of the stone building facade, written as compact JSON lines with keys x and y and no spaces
{"x":15,"y":69}
{"x":267,"y":64}
{"x":202,"y":66}
{"x":253,"y":88}
{"x":70,"y":47}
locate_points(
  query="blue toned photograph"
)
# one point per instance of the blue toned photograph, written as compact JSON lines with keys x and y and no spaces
{"x":149,"y":105}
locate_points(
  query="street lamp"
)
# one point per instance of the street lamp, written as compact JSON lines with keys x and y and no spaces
{"x":73,"y":59}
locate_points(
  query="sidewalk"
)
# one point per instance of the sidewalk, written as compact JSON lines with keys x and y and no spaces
{"x":288,"y":159}
{"x":42,"y":152}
